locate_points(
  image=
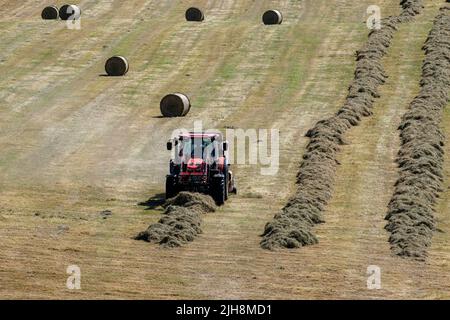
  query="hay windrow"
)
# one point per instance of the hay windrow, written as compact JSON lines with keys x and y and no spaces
{"x":293,"y":226}
{"x":181,"y":221}
{"x":420,"y":159}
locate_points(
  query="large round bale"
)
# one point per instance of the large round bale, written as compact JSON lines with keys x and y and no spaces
{"x":175,"y":105}
{"x":116,"y":66}
{"x":194,"y":14}
{"x":69,"y":11}
{"x":272,"y":17}
{"x":50,"y":13}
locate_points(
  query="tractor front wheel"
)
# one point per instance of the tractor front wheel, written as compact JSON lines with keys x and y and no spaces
{"x":171,"y":188}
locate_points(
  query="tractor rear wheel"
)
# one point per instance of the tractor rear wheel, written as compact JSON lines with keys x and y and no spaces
{"x":218,"y":190}
{"x":226,"y":181}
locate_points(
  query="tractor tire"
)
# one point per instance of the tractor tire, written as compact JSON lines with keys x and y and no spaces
{"x":171,"y":188}
{"x":234,"y":191}
{"x":218,"y":190}
{"x":226,"y":182}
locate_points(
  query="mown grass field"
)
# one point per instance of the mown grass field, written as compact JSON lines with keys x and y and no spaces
{"x":74,"y":143}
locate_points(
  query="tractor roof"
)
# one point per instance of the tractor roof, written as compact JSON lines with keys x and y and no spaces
{"x":201,"y":135}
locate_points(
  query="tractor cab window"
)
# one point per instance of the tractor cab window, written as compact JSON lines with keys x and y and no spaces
{"x":197,"y":148}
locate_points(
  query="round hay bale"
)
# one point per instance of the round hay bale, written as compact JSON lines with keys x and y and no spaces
{"x":116,"y":66}
{"x":50,"y":13}
{"x":175,"y":105}
{"x":272,"y":17}
{"x":194,"y":14}
{"x":69,"y":11}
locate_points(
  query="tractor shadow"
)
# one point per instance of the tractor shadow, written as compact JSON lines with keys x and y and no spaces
{"x":154,"y":202}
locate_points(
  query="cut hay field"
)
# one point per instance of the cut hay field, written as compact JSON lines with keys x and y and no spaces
{"x":74,"y":143}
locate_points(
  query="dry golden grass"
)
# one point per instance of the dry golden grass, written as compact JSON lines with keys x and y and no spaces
{"x":74,"y":144}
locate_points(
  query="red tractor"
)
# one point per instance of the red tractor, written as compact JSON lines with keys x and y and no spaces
{"x":199,"y":164}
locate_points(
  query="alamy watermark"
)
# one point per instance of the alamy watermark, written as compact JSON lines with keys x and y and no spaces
{"x":74,"y":280}
{"x":374,"y":277}
{"x":245,"y":147}
{"x":373,"y":22}
{"x":74,"y":20}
